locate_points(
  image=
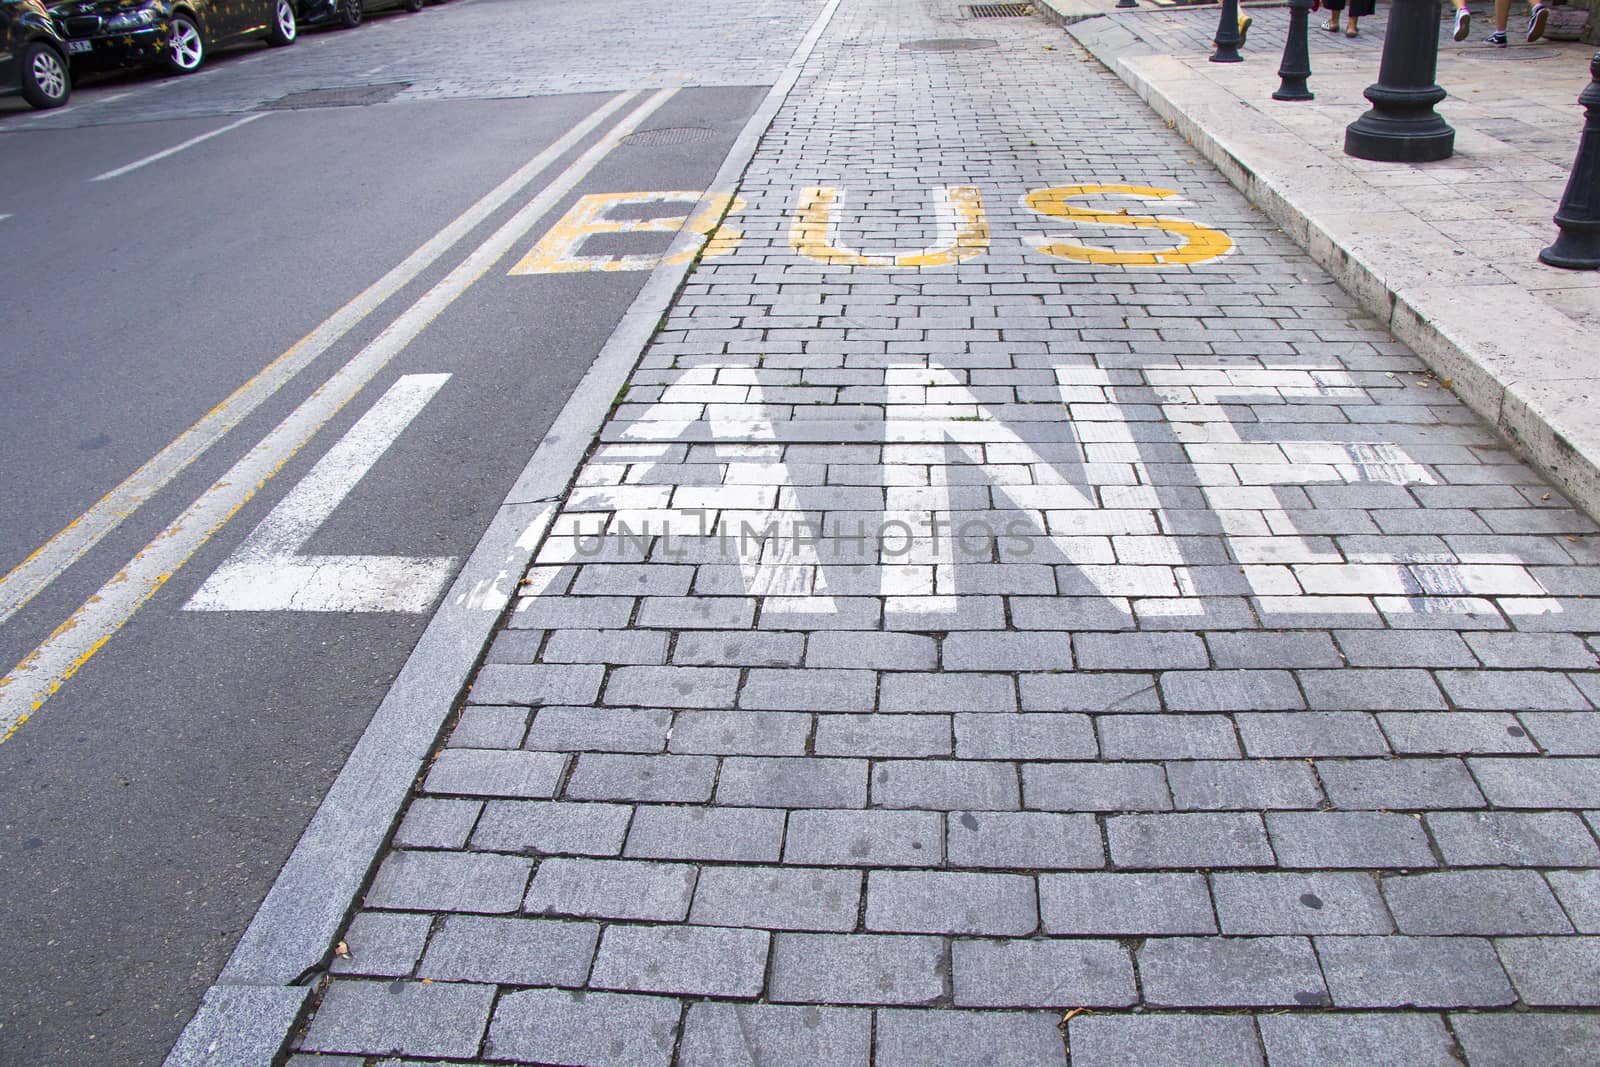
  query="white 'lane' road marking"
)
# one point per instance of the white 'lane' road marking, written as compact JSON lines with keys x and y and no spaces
{"x":34,"y":574}
{"x":268,"y":573}
{"x":156,"y":157}
{"x":47,"y":668}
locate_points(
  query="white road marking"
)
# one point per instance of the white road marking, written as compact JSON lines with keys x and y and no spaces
{"x":268,"y":573}
{"x":157,"y":157}
{"x":34,"y":574}
{"x":48,"y":667}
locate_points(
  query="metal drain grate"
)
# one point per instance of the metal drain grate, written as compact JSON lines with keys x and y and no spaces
{"x":948,"y":44}
{"x":343,"y":96}
{"x":669,"y":135}
{"x":999,"y":11}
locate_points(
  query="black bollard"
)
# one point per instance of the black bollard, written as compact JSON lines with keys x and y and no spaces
{"x":1228,"y":39}
{"x":1402,"y":126}
{"x":1127,"y":3}
{"x":1577,"y":247}
{"x":1296,"y":65}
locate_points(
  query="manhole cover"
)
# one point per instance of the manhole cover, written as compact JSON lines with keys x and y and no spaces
{"x":342,"y":96}
{"x":669,"y":135}
{"x":999,"y":11}
{"x":948,"y":44}
{"x":1507,"y":53}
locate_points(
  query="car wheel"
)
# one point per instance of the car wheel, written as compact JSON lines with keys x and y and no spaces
{"x":283,"y":29}
{"x":44,"y":76}
{"x":350,"y":13}
{"x":185,"y":49}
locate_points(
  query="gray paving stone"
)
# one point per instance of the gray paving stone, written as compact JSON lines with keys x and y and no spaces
{"x":864,"y":838}
{"x":1025,"y":737}
{"x":742,"y":648}
{"x":1095,"y":787}
{"x":431,"y":823}
{"x":858,"y":969}
{"x":1042,"y":974}
{"x":906,"y":1037}
{"x":1308,"y":733}
{"x":673,"y":687}
{"x":940,"y":902}
{"x":743,"y":835}
{"x":1285,"y":650}
{"x":712,"y":961}
{"x":563,"y":1026}
{"x":1399,"y":784}
{"x":746,"y":733}
{"x":1243,"y":785}
{"x":1230,"y":972}
{"x":1537,"y":651}
{"x":1357,"y":1040}
{"x":489,"y":727}
{"x":504,"y":683}
{"x":1579,"y":894}
{"x":1140,"y":651}
{"x":1355,"y":839}
{"x":406,"y":1018}
{"x":606,"y":646}
{"x":641,"y":730}
{"x":943,"y":785}
{"x":808,"y":689}
{"x":1454,"y":732}
{"x":1192,"y":840}
{"x":611,"y":889}
{"x":658,"y":779}
{"x":1028,"y":840}
{"x":1491,"y":902}
{"x":871,"y":649}
{"x":449,"y":881}
{"x":1016,"y":650}
{"x":1512,"y":691}
{"x":1125,"y":905}
{"x":1423,"y":972}
{"x":1553,"y":971}
{"x":552,"y":828}
{"x":1099,"y":693}
{"x":1313,"y":903}
{"x":1563,"y":733}
{"x":489,"y":773}
{"x":1414,"y":648}
{"x":782,"y":782}
{"x":773,"y":898}
{"x":1166,"y":737}
{"x":1231,"y":690}
{"x":548,"y":612}
{"x":472,"y":948}
{"x":771,"y":1035}
{"x":915,"y":692}
{"x":1371,"y":689}
{"x":697,"y":612}
{"x":382,"y":945}
{"x":1503,"y":1040}
{"x":1510,"y":782}
{"x":799,"y":613}
{"x":903,"y":736}
{"x":1170,"y":1040}
{"x":1513,"y":839}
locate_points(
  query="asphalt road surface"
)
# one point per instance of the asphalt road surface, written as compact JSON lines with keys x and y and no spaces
{"x":211,"y":288}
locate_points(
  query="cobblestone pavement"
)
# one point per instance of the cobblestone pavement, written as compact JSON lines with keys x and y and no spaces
{"x":1024,"y":654}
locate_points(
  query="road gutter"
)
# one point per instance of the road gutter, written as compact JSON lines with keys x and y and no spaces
{"x":247,"y":1015}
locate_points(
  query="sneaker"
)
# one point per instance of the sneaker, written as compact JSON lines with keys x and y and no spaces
{"x":1536,"y":20}
{"x":1245,"y":23}
{"x":1496,"y":39}
{"x":1463,"y":24}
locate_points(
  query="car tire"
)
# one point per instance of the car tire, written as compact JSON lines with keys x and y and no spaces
{"x":284,"y":28}
{"x":414,"y":6}
{"x":45,"y":81}
{"x":350,"y":13}
{"x":185,"y":48}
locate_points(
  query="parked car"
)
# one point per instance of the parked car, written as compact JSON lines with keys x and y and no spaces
{"x":348,"y":13}
{"x":33,"y":55}
{"x":173,"y":34}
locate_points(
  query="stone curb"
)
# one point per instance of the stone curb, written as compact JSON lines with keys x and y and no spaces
{"x":1512,"y":358}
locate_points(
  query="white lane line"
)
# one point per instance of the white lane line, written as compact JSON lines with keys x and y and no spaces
{"x":157,"y":157}
{"x":34,"y":574}
{"x":268,"y":573}
{"x":48,"y":667}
